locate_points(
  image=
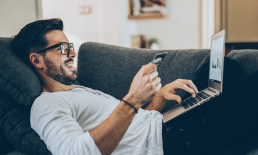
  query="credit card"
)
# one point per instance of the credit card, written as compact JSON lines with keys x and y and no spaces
{"x":158,"y":58}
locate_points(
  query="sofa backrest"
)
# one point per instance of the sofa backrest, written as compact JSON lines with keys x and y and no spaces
{"x":111,"y":68}
{"x":247,"y":60}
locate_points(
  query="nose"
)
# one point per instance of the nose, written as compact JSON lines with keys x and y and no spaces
{"x":72,"y":54}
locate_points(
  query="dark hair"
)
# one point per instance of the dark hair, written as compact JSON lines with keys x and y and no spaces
{"x":31,"y":38}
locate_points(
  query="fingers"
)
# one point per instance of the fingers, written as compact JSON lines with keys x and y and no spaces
{"x":157,"y":87}
{"x":156,"y":81}
{"x":149,"y":68}
{"x":183,"y":86}
{"x":189,"y":83}
{"x":169,"y":96}
{"x":153,"y":75}
{"x":156,"y":84}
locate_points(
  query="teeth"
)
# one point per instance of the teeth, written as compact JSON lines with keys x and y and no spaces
{"x":69,"y":65}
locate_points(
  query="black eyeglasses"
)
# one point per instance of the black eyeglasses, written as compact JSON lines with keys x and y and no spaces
{"x":64,"y":47}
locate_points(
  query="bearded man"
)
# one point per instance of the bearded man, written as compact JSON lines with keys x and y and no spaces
{"x":73,"y":119}
{"x":76,"y":120}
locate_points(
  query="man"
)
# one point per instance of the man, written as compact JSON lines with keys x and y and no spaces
{"x":78,"y":120}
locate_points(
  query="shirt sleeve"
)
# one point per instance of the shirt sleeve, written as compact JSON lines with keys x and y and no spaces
{"x":52,"y":120}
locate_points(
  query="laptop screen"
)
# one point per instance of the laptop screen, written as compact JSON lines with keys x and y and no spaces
{"x":216,"y":55}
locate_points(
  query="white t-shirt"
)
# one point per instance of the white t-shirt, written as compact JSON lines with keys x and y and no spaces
{"x":63,"y":121}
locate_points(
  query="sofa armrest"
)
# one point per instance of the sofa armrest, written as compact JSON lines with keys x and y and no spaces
{"x":247,"y":60}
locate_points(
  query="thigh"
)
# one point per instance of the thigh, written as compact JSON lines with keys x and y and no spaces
{"x":237,"y":106}
{"x":186,"y":137}
{"x":208,"y":128}
{"x":169,"y":146}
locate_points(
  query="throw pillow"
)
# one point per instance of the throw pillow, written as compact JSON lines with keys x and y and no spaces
{"x":17,"y":80}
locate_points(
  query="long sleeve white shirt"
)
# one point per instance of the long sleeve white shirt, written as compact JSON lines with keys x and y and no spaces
{"x":63,"y":121}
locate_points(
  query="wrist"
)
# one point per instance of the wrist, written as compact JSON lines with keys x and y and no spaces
{"x":133,"y":101}
{"x":136,"y":111}
{"x":160,"y":96}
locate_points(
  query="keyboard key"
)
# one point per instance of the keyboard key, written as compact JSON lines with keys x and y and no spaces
{"x":194,"y":100}
{"x":199,"y":98}
{"x":206,"y":94}
{"x":184,"y":104}
{"x":189,"y":102}
{"x":202,"y":95}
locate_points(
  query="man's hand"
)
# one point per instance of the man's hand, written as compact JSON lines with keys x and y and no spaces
{"x":145,"y":85}
{"x":109,"y":133}
{"x":168,"y":92}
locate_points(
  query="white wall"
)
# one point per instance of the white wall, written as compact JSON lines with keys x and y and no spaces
{"x":108,"y":23}
{"x":181,"y":30}
{"x":99,"y":26}
{"x":14,"y":15}
{"x":208,"y":22}
{"x":127,"y":27}
{"x":78,"y":28}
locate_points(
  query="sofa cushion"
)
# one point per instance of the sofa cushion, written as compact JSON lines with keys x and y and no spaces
{"x":247,"y":60}
{"x":111,"y":69}
{"x":17,"y":80}
{"x":16,"y":152}
{"x":6,"y":147}
{"x":19,"y":86}
{"x":15,"y":123}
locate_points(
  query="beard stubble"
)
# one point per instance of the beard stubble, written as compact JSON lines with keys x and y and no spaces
{"x":58,"y":73}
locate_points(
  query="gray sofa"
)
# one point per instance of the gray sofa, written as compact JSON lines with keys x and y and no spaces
{"x":103,"y":67}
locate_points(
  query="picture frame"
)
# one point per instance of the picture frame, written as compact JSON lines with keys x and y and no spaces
{"x":144,"y":9}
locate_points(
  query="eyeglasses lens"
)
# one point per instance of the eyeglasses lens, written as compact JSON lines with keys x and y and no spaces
{"x":71,"y":46}
{"x":64,"y":48}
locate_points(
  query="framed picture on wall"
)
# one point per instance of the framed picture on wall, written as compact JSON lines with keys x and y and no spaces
{"x":147,"y":9}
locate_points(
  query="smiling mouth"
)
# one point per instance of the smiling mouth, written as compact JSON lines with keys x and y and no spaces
{"x":69,"y":64}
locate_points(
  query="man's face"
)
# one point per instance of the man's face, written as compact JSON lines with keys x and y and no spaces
{"x":58,"y":66}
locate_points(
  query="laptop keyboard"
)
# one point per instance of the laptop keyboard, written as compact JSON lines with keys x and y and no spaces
{"x":189,"y":102}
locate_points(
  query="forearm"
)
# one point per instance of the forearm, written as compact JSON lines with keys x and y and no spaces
{"x":157,"y":103}
{"x":108,"y":134}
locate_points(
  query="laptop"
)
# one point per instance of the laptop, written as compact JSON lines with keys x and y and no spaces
{"x":215,"y":80}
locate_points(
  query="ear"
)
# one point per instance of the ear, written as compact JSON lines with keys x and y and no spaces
{"x":36,"y":60}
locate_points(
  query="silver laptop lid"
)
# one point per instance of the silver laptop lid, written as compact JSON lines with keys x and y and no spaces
{"x":217,"y":60}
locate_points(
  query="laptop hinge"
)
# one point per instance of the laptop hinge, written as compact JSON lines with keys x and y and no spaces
{"x":214,"y":90}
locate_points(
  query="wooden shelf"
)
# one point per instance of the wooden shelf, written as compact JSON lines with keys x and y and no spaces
{"x":148,"y":16}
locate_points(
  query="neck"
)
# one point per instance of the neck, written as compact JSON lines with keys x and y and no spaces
{"x":50,"y":85}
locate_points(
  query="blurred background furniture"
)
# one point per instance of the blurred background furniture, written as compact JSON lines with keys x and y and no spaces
{"x":238,"y":18}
